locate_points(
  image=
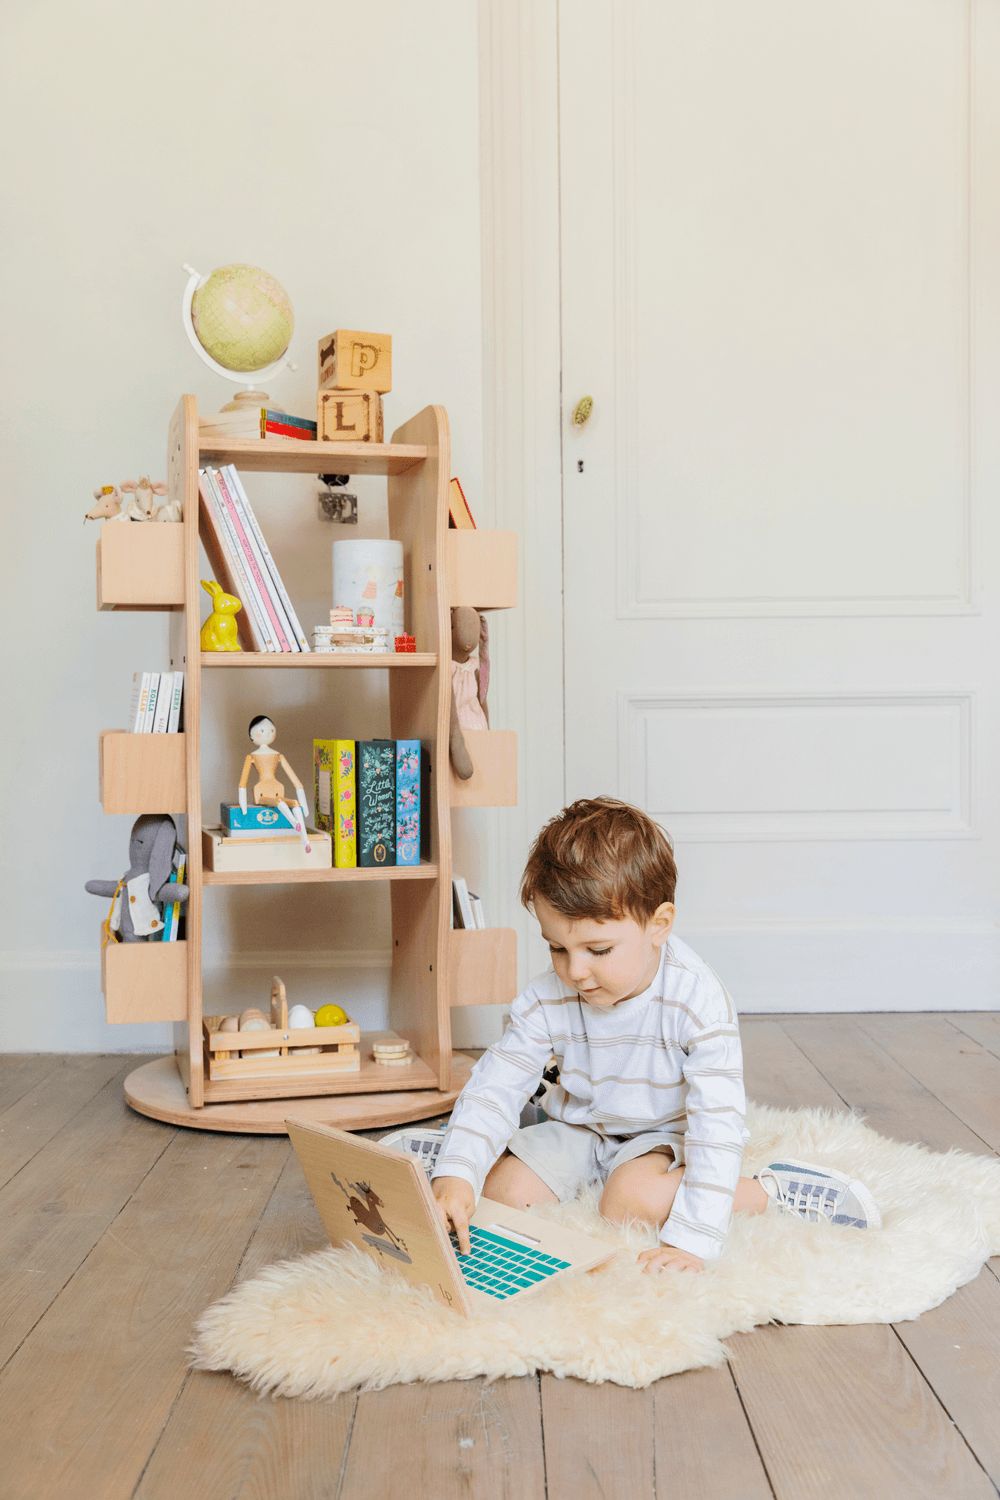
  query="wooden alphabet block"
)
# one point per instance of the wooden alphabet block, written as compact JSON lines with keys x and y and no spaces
{"x":349,"y":417}
{"x":353,"y":361}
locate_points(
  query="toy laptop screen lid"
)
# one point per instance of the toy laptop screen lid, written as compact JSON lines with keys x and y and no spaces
{"x":380,"y":1201}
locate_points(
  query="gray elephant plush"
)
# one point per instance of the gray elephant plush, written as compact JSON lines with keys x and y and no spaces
{"x":145,"y":888}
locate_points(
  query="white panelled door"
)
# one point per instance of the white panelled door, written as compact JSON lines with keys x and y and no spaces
{"x":781,"y":287}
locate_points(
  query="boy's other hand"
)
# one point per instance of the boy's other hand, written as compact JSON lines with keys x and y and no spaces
{"x":456,"y":1203}
{"x":669,"y":1255}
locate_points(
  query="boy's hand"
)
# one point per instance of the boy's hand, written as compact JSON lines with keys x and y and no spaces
{"x":456,"y":1203}
{"x":669,"y":1255}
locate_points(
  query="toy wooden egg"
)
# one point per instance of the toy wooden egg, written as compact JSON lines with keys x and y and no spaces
{"x":230,"y":1023}
{"x":257,"y":1022}
{"x":252,"y":1013}
{"x":300,"y":1018}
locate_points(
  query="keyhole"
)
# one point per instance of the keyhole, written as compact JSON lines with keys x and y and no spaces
{"x":579,"y":466}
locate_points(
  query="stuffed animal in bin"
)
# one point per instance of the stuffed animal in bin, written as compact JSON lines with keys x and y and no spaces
{"x":470,"y":676}
{"x":145,"y":888}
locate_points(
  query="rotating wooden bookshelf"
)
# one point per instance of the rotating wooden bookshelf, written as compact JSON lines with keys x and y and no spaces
{"x":434,"y":967}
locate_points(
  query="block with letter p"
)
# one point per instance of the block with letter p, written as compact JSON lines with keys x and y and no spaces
{"x":349,"y":417}
{"x":353,"y":361}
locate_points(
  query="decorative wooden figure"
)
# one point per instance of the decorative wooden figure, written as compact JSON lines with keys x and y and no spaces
{"x":266,"y":760}
{"x":354,"y":361}
{"x":349,"y":417}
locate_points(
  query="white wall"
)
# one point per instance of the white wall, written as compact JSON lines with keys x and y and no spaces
{"x":338,"y":147}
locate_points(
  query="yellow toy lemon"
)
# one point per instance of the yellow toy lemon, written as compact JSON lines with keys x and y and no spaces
{"x":330,"y":1015}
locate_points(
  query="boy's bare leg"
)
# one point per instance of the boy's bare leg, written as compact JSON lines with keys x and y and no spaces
{"x":516,"y":1185}
{"x":645,"y":1187}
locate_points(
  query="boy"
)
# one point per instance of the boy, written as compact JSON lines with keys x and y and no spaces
{"x":650,"y":1094}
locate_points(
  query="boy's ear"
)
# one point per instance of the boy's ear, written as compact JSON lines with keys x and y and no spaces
{"x":661,"y":922}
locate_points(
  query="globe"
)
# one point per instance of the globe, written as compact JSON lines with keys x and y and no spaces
{"x":240,"y":321}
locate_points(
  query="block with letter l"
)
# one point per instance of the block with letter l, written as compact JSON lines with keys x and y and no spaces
{"x":349,"y":417}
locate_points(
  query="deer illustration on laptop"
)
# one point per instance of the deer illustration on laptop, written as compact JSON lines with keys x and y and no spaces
{"x":368,"y":1215}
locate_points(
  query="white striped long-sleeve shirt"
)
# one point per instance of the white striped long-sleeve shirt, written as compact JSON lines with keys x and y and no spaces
{"x":667,"y":1059}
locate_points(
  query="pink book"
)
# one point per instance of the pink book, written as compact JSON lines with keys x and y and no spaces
{"x":236,"y":515}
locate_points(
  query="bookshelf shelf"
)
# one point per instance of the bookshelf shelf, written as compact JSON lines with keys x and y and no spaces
{"x":318,"y":659}
{"x":433,"y":968}
{"x":292,"y":456}
{"x":426,"y":871}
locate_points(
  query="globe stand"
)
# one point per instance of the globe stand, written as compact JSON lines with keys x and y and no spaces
{"x":250,"y":396}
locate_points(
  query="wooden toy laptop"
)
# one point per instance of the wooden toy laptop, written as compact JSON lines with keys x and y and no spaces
{"x":381,"y":1201}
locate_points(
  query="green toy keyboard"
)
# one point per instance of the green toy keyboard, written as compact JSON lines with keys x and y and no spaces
{"x":500,"y":1266}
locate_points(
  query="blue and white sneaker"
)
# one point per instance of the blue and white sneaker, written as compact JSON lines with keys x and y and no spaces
{"x":816,"y":1193}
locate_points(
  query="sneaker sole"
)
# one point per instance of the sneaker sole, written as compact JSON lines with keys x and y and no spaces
{"x":859,"y":1190}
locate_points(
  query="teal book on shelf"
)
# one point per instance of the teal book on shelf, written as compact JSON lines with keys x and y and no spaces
{"x":376,"y":794}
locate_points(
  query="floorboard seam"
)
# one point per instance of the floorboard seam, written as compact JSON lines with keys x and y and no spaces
{"x":746,"y":1418}
{"x":29,"y":1086}
{"x":342,"y":1475}
{"x":115,"y":1079}
{"x":80,"y":1265}
{"x":916,"y":1365}
{"x":991,"y":1051}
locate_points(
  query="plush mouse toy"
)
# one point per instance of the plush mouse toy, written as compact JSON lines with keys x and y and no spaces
{"x":470,"y":676}
{"x":146,"y":887}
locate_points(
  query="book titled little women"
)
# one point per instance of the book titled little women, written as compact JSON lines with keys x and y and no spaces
{"x":407,"y":802}
{"x":376,"y":793}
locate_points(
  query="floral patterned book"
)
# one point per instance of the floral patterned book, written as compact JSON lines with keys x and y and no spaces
{"x":335,"y":798}
{"x":376,"y":796}
{"x":407,"y":802}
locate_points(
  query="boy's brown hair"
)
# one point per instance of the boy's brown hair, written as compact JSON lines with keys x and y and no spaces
{"x":603,"y":859}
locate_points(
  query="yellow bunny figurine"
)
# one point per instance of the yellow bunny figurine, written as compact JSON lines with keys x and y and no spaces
{"x":219,"y":631}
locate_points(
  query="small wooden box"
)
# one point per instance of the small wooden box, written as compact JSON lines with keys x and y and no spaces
{"x":144,"y":981}
{"x":140,"y":565}
{"x":341,"y":1046}
{"x":482,"y":966}
{"x":482,"y":569}
{"x":143,"y":773}
{"x":493,"y":782}
{"x":247,"y":855}
{"x":354,"y":361}
{"x":349,"y":417}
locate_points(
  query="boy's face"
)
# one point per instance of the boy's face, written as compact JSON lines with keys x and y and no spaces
{"x":605,"y":962}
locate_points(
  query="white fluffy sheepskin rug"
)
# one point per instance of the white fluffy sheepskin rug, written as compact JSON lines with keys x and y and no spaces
{"x":332,"y":1321}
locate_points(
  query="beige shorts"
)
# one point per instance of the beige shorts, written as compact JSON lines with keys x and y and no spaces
{"x":568,"y":1157}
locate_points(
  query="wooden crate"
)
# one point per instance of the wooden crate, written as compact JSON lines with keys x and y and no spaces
{"x":140,"y":565}
{"x":493,"y":782}
{"x":144,"y":981}
{"x":482,"y":568}
{"x":142,"y":773}
{"x":341,"y":1047}
{"x":482,"y":966}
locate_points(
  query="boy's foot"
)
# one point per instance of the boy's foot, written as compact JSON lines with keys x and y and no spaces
{"x":819,"y":1192}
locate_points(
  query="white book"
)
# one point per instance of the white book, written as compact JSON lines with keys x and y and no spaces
{"x":464,"y":916}
{"x":177,"y":694}
{"x":479,"y":915}
{"x":161,"y":717}
{"x":278,"y":622}
{"x":293,"y":618}
{"x":154,"y":693}
{"x":140,"y":691}
{"x":264,"y":638}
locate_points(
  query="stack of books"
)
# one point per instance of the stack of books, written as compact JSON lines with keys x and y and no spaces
{"x":243,"y":563}
{"x":172,"y":909}
{"x":467,"y":907}
{"x":257,"y":422}
{"x":372,"y":795}
{"x":156,"y":702}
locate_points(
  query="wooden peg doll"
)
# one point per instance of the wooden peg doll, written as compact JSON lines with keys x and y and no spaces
{"x":269,"y":791}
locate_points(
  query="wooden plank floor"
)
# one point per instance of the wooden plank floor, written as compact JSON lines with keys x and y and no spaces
{"x":115,"y":1232}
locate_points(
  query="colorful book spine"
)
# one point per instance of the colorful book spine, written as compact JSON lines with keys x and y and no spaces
{"x":345,"y":798}
{"x":226,"y":558}
{"x":233,"y":521}
{"x":140,"y":700}
{"x":257,"y":567}
{"x":154,"y":693}
{"x":281,"y":424}
{"x":176,"y":699}
{"x":376,"y":802}
{"x":161,"y":718}
{"x":172,"y":909}
{"x":407,"y":802}
{"x":234,"y":479}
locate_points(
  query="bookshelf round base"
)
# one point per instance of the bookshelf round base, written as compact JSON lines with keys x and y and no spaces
{"x":156,"y":1090}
